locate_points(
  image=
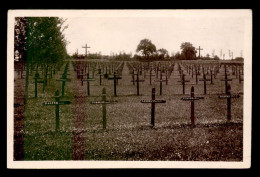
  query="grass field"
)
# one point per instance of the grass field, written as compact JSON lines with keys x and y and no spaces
{"x":129,"y":134}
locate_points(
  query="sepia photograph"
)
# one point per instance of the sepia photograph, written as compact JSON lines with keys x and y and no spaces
{"x":129,"y":88}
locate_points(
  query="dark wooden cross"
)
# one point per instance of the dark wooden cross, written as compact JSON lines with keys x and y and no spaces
{"x":205,"y":83}
{"x":183,"y":82}
{"x":93,"y":72}
{"x":115,"y":78}
{"x":106,"y":74}
{"x":196,"y":74}
{"x":88,"y":84}
{"x":104,"y":102}
{"x":79,"y":74}
{"x":63,"y":80}
{"x":100,"y":76}
{"x":49,"y":72}
{"x":57,"y":103}
{"x":86,"y":50}
{"x":36,"y":77}
{"x":151,"y":76}
{"x":192,"y":71}
{"x":199,"y":49}
{"x":137,"y":82}
{"x":239,"y":77}
{"x":153,"y":102}
{"x":226,"y":71}
{"x":133,"y":76}
{"x":192,"y":99}
{"x":228,"y":97}
{"x":161,"y":81}
{"x":226,"y":82}
{"x":211,"y":77}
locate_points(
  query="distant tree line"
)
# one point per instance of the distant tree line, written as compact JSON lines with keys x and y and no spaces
{"x":121,"y":56}
{"x":146,"y":51}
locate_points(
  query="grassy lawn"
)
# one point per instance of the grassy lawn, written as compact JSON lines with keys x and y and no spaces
{"x":129,"y":135}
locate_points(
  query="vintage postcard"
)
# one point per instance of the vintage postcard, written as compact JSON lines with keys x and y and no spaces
{"x":129,"y":89}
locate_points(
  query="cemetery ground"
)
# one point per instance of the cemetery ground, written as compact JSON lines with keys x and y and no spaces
{"x":129,"y":134}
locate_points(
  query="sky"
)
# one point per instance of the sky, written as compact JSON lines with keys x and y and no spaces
{"x":121,"y":31}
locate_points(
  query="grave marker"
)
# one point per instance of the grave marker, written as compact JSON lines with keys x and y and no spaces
{"x":88,"y":84}
{"x":137,"y":82}
{"x":36,"y":77}
{"x":211,"y":78}
{"x":192,"y":99}
{"x":115,"y":78}
{"x":183,"y":83}
{"x":57,"y":104}
{"x":239,"y":77}
{"x":228,"y":97}
{"x":63,"y":80}
{"x":161,"y":80}
{"x":205,"y":83}
{"x":151,"y":76}
{"x":100,"y":76}
{"x":226,"y":82}
{"x":153,"y":102}
{"x":104,"y":102}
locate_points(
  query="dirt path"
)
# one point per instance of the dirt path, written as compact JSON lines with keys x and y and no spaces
{"x":79,"y":119}
{"x":19,"y":113}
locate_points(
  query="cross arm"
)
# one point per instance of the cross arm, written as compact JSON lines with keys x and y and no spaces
{"x":66,"y":80}
{"x":204,"y":80}
{"x":153,"y":101}
{"x":228,"y":96}
{"x":226,"y":79}
{"x":104,"y":102}
{"x":88,"y":79}
{"x":160,"y":80}
{"x":137,"y":80}
{"x":191,"y":98}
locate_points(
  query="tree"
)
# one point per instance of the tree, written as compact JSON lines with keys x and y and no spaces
{"x":239,"y":59}
{"x":177,"y":56}
{"x":207,"y":57}
{"x":162,"y":53}
{"x":216,"y":57}
{"x":45,"y":40}
{"x":146,"y":47}
{"x":20,"y":37}
{"x":188,"y":51}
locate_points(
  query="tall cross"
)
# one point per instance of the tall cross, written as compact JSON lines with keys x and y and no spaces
{"x":161,"y":80}
{"x":86,"y":50}
{"x":36,"y":77}
{"x":199,"y":49}
{"x":137,"y":82}
{"x":183,"y":83}
{"x":88,"y":84}
{"x":153,"y":101}
{"x":205,"y":83}
{"x":115,"y":78}
{"x":226,"y":82}
{"x":133,"y":76}
{"x":151,"y":76}
{"x":228,"y":97}
{"x":104,"y":102}
{"x":100,"y":76}
{"x":57,"y":104}
{"x":192,"y":99}
{"x":239,"y":76}
{"x":63,"y":80}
